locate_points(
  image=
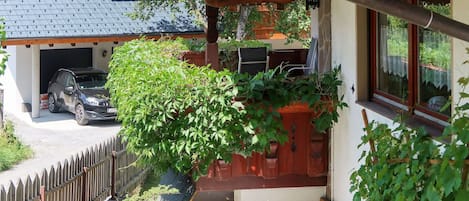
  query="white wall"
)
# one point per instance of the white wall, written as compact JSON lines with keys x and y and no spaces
{"x":280,"y":194}
{"x":459,"y":47}
{"x":23,"y":73}
{"x":11,"y":91}
{"x":347,"y":133}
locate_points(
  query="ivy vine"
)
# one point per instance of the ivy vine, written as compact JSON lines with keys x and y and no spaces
{"x":181,"y":116}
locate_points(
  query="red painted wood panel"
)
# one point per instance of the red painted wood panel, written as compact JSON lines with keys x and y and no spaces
{"x":304,"y":157}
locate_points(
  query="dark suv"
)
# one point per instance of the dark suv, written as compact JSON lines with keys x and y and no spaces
{"x":81,"y":91}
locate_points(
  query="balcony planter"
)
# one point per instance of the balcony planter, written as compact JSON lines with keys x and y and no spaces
{"x":186,"y":118}
{"x":192,"y":57}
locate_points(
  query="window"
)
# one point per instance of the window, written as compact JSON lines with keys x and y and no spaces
{"x":410,"y":65}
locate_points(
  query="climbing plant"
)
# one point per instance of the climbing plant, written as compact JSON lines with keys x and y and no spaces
{"x":181,"y":116}
{"x":409,"y":164}
{"x":3,"y":53}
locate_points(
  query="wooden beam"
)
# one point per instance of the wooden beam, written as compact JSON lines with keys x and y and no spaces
{"x":74,"y":40}
{"x":419,"y":16}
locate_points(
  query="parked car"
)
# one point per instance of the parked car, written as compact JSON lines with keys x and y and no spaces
{"x":81,"y":91}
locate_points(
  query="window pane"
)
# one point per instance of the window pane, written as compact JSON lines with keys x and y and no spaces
{"x":393,"y":56}
{"x":434,"y":62}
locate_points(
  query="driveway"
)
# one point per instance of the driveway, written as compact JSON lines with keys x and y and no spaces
{"x":53,"y":138}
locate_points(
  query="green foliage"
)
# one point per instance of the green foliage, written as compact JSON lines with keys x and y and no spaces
{"x":177,"y":115}
{"x":150,"y":189}
{"x":153,"y":193}
{"x":229,"y":22}
{"x":295,"y":22}
{"x":11,"y":149}
{"x":3,"y":53}
{"x":195,"y":45}
{"x":411,"y":165}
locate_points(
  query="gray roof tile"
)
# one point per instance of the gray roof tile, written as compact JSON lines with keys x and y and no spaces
{"x":85,"y":18}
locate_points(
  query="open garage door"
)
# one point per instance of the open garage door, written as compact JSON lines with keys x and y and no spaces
{"x":52,"y":60}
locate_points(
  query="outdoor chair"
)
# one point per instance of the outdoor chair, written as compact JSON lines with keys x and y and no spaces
{"x":311,"y":64}
{"x":253,"y":60}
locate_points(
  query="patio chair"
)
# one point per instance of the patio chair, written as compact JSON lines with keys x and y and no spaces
{"x":311,"y":64}
{"x":253,"y":60}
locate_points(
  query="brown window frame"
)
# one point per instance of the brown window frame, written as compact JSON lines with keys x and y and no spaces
{"x":409,"y":105}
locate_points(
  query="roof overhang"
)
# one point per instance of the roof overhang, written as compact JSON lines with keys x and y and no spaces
{"x":97,"y":39}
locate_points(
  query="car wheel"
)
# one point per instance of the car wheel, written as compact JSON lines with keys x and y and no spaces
{"x":52,"y":105}
{"x":80,"y":115}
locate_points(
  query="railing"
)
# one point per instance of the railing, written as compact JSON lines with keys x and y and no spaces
{"x":95,"y":174}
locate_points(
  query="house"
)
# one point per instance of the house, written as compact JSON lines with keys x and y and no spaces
{"x":387,"y":64}
{"x":45,"y":35}
{"x":382,"y":68}
{"x":371,"y":76}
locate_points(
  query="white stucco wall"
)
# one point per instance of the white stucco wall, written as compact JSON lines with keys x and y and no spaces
{"x":11,"y":91}
{"x":280,"y":194}
{"x":347,"y":133}
{"x":23,"y":73}
{"x":459,"y":47}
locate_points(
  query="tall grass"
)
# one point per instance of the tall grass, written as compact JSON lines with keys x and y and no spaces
{"x":12,"y":150}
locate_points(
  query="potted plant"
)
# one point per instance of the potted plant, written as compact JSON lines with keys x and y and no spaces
{"x":176,"y":116}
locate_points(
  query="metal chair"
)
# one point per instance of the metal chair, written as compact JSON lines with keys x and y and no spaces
{"x":311,"y":64}
{"x":253,"y":60}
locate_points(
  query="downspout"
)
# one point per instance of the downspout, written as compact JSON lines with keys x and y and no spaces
{"x":419,"y":16}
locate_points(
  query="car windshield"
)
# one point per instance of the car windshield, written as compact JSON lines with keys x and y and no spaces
{"x":91,"y":81}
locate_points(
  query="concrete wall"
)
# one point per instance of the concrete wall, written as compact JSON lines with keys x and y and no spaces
{"x":349,"y":50}
{"x":280,"y":194}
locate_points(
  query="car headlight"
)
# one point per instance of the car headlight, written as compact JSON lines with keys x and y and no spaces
{"x":92,"y":101}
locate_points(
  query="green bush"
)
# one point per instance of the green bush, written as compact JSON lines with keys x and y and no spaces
{"x":178,"y":115}
{"x":11,"y":149}
{"x":409,"y":164}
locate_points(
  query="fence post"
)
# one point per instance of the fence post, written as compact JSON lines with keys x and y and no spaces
{"x":113,"y":176}
{"x":42,"y":192}
{"x":83,"y":185}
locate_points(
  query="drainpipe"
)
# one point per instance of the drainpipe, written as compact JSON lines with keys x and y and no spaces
{"x":419,"y":16}
{"x":35,"y":83}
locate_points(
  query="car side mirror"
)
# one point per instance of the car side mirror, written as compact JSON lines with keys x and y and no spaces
{"x":68,"y":90}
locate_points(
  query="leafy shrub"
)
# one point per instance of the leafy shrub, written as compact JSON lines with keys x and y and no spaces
{"x":410,"y":165}
{"x":11,"y":149}
{"x":177,"y":115}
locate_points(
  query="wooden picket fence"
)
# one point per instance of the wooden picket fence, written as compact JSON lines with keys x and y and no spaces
{"x":102,"y":172}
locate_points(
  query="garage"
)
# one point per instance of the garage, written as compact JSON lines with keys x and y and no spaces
{"x":53,"y":59}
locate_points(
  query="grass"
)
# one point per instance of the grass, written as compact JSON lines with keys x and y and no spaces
{"x":12,"y":150}
{"x":150,"y":189}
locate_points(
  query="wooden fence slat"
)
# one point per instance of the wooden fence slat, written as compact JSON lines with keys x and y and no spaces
{"x":89,"y":173}
{"x":45,"y":179}
{"x":3,"y":193}
{"x":20,"y":191}
{"x":28,"y":189}
{"x":36,"y":186}
{"x":11,"y":191}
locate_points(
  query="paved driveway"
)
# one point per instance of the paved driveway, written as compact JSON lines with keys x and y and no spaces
{"x":54,"y":138}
